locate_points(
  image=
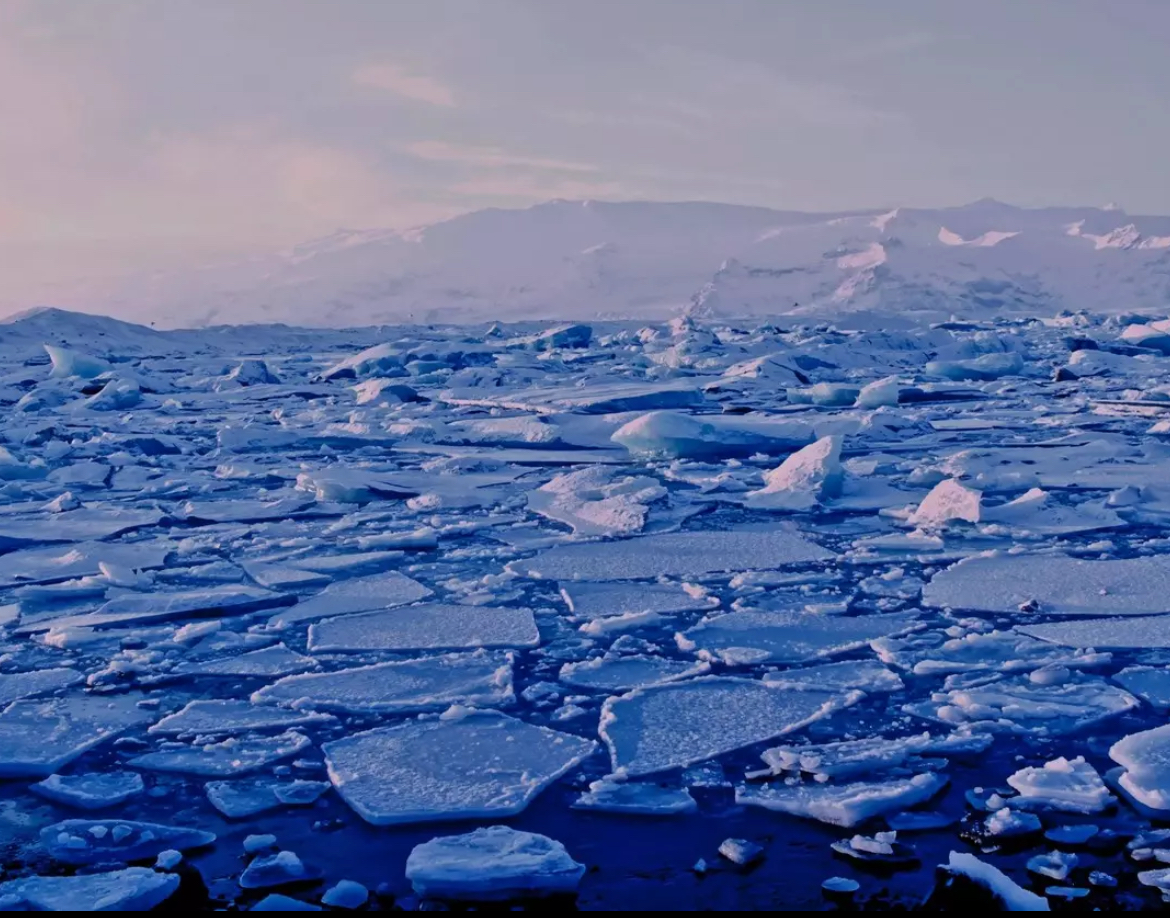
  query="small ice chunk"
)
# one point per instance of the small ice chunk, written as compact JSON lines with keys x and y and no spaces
{"x":275,"y":902}
{"x":948,"y":500}
{"x":880,"y":393}
{"x":135,"y":889}
{"x":1056,"y":865}
{"x":1013,"y":896}
{"x":493,"y":863}
{"x":225,"y":716}
{"x":68,"y":362}
{"x":636,"y":798}
{"x":276,"y":870}
{"x":848,"y":758}
{"x":241,"y":799}
{"x":117,"y":841}
{"x":595,"y":502}
{"x":475,"y":765}
{"x":741,"y":852}
{"x":254,"y":844}
{"x":983,"y":368}
{"x":1151,"y":684}
{"x":425,"y":684}
{"x":840,"y":886}
{"x":845,"y":805}
{"x":90,"y":791}
{"x":1061,"y":784}
{"x":1071,"y":834}
{"x":346,"y":894}
{"x":674,"y":725}
{"x":431,"y":626}
{"x":168,"y":860}
{"x":810,"y":476}
{"x":1008,"y":823}
{"x":674,"y":435}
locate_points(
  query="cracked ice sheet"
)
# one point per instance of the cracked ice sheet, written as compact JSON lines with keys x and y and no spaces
{"x":594,"y":502}
{"x":425,"y":684}
{"x":81,"y":525}
{"x":48,"y":565}
{"x":274,"y":661}
{"x":1060,"y":584}
{"x":675,"y":725}
{"x":476,"y":765}
{"x":674,"y":554}
{"x":37,"y":682}
{"x":361,"y":594}
{"x":38,"y":738}
{"x":787,"y":636}
{"x":221,"y":716}
{"x":426,"y":627}
{"x":157,"y":607}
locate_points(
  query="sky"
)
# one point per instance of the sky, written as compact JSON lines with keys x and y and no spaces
{"x":141,"y":135}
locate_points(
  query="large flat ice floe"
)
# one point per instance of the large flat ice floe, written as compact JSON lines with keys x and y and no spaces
{"x":134,"y":889}
{"x":362,"y":594}
{"x":787,"y":637}
{"x":471,"y":765}
{"x":1055,"y":584}
{"x":426,"y":684}
{"x":427,"y":627}
{"x":675,"y":725}
{"x":676,"y":554}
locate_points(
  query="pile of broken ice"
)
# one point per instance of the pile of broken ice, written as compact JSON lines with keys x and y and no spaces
{"x":431,"y":576}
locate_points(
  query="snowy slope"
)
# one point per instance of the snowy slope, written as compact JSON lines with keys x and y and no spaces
{"x":648,"y":260}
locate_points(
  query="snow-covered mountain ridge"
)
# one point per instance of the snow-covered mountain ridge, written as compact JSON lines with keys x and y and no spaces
{"x":591,"y":260}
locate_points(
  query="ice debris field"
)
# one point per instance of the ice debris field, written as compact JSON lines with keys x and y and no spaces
{"x":694,"y":615}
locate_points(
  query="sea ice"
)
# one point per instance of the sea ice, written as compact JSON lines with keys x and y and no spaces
{"x":788,"y":636}
{"x":426,"y":627}
{"x":636,"y":798}
{"x":1139,"y":631}
{"x":492,"y":863}
{"x":1057,"y":584}
{"x":105,"y":841}
{"x":90,"y":791}
{"x":848,"y":758}
{"x":221,"y":760}
{"x":477,"y":765}
{"x":675,"y":725}
{"x":1013,"y":896}
{"x":36,"y":682}
{"x":808,"y":477}
{"x":844,"y":805}
{"x":1062,"y":784}
{"x":618,"y":673}
{"x":217,"y":717}
{"x":160,"y":607}
{"x":1151,"y":684}
{"x":673,"y":435}
{"x":276,"y":870}
{"x":596,"y":503}
{"x":135,"y":889}
{"x":425,"y":684}
{"x":606,"y":600}
{"x":277,"y":660}
{"x":866,"y":675}
{"x":56,"y":563}
{"x":361,"y":594}
{"x":674,"y":554}
{"x":38,"y":738}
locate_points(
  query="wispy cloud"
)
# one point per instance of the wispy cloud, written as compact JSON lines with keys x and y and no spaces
{"x":489,"y":157}
{"x":404,"y":83}
{"x":885,"y":46}
{"x":530,"y":189}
